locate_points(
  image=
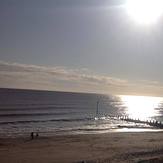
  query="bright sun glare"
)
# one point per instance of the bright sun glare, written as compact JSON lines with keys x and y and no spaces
{"x":141,"y":106}
{"x":145,"y":11}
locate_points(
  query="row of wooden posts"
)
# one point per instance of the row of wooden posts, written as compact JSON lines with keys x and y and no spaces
{"x":153,"y":123}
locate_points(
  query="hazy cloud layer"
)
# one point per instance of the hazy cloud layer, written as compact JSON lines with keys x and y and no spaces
{"x":15,"y":75}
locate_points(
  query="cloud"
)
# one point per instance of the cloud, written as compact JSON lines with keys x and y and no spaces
{"x":16,"y":75}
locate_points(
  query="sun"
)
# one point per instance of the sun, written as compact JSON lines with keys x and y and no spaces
{"x":145,"y":11}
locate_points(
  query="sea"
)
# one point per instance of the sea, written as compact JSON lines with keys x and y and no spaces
{"x":57,"y":113}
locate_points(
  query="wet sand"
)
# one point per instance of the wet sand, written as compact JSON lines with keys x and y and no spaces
{"x":103,"y":148}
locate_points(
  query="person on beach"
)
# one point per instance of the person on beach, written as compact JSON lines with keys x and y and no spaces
{"x":37,"y":135}
{"x":32,"y":135}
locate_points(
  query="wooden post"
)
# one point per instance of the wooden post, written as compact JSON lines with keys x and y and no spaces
{"x":97,"y":109}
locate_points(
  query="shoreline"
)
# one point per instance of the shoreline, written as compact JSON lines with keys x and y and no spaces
{"x":138,"y":147}
{"x":82,"y":132}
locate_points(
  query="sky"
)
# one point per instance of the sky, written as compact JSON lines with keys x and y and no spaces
{"x":80,"y":46}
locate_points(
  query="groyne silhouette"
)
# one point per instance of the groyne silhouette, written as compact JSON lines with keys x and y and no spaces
{"x":153,"y":123}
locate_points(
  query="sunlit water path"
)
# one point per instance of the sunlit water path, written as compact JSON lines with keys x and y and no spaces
{"x":143,"y":107}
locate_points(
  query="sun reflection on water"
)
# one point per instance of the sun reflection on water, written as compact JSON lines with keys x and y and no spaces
{"x":142,"y":107}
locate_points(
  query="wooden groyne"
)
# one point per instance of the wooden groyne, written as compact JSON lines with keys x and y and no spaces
{"x":153,"y":123}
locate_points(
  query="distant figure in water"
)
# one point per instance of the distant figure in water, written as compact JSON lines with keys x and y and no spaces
{"x":32,"y":135}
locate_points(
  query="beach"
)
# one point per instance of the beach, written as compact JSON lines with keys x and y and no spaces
{"x":123,"y":147}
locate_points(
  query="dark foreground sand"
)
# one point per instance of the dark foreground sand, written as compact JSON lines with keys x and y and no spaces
{"x":110,"y":147}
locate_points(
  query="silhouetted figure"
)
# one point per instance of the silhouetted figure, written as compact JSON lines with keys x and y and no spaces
{"x":32,"y":135}
{"x":37,"y":135}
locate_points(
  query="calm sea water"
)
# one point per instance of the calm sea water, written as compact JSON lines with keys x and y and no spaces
{"x":24,"y":111}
